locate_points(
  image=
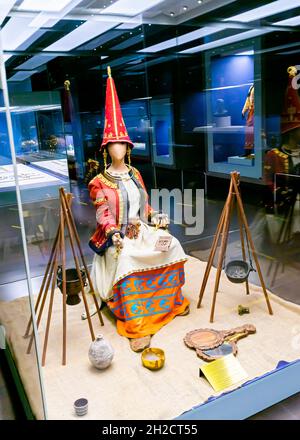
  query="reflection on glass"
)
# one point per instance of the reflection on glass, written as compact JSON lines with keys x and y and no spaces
{"x":15,"y":310}
{"x":138,"y":124}
{"x":40,"y":146}
{"x":162,"y":122}
{"x":231,"y":102}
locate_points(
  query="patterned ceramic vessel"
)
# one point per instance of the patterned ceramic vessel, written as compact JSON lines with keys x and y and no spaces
{"x":101,"y":353}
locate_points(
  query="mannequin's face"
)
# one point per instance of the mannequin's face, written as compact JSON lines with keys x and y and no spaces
{"x":117,"y":150}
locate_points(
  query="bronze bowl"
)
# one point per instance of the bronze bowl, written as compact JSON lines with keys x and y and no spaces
{"x":73,"y":286}
{"x":237,"y":271}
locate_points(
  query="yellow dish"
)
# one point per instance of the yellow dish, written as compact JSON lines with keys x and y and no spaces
{"x":153,"y":358}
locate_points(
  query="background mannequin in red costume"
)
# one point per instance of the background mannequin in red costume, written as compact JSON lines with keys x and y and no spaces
{"x":286,"y":159}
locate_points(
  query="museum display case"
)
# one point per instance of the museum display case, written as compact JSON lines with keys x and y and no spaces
{"x":233,"y":130}
{"x":40,"y":147}
{"x":195,"y":122}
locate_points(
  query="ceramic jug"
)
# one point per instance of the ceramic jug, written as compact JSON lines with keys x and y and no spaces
{"x":101,"y":353}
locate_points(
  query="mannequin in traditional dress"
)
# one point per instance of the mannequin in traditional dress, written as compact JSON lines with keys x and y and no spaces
{"x":286,"y":159}
{"x":140,"y":284}
{"x":248,"y":110}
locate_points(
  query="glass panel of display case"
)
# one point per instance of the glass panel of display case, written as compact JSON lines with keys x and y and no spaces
{"x":161,"y":111}
{"x":38,"y":127}
{"x":40,"y":146}
{"x":15,"y":284}
{"x":138,"y":125}
{"x":42,"y":166}
{"x":92,"y":129}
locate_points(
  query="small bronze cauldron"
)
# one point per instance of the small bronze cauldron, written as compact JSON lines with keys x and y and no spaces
{"x":237,"y":271}
{"x":72,"y":285}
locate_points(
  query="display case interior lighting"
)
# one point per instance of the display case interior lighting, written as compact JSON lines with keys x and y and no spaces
{"x":246,"y":52}
{"x":5,"y":7}
{"x":34,"y":62}
{"x":265,"y":11}
{"x":142,"y":99}
{"x":131,"y":24}
{"x":130,"y":7}
{"x":294,"y":21}
{"x":22,"y":75}
{"x":50,"y":18}
{"x":236,"y":86}
{"x":186,"y":38}
{"x":44,"y":5}
{"x":87,"y":31}
{"x":15,"y":32}
{"x":241,"y":36}
{"x":31,"y":108}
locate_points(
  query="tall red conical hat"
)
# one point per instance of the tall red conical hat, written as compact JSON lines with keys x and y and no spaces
{"x":290,"y":117}
{"x":114,"y":125}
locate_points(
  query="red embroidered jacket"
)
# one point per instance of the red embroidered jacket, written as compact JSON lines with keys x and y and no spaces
{"x":275,"y":162}
{"x":110,"y":200}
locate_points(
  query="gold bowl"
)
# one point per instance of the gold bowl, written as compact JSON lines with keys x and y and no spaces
{"x":153,"y":358}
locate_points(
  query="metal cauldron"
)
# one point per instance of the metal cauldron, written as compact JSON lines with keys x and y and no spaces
{"x":237,"y":271}
{"x":72,"y":284}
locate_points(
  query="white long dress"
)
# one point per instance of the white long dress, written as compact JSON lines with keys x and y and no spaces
{"x":138,"y":254}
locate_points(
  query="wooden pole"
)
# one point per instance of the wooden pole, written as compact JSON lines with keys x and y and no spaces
{"x":221,"y":253}
{"x":211,"y":257}
{"x":43,"y":303}
{"x":247,"y":230}
{"x":243,"y":244}
{"x":73,"y":225}
{"x":226,"y":232}
{"x":64,"y":282}
{"x":43,"y":283}
{"x":54,"y":280}
{"x":213,"y":251}
{"x":64,"y":208}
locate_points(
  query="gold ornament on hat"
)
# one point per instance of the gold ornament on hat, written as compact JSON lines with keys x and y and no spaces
{"x":67,"y":85}
{"x":128,"y":154}
{"x":105,"y":158}
{"x":292,"y":70}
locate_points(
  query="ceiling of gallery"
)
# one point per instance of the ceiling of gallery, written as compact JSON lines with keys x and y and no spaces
{"x":128,"y":32}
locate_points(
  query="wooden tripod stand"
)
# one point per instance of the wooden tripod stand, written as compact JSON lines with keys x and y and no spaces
{"x":58,"y":253}
{"x":223,"y":230}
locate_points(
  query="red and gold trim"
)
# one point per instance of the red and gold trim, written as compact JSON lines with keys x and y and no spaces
{"x":121,"y":208}
{"x":110,"y":230}
{"x":100,"y":201}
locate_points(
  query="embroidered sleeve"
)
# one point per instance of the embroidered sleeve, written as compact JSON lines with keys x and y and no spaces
{"x":100,"y":198}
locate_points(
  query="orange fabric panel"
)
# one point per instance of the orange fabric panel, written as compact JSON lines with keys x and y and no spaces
{"x":144,"y":302}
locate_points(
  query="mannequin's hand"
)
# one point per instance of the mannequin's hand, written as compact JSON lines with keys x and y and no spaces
{"x":160,"y":220}
{"x":117,"y":240}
